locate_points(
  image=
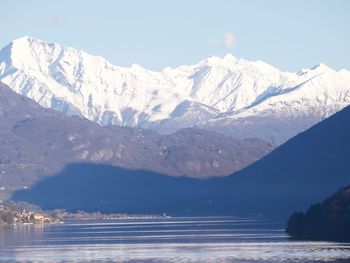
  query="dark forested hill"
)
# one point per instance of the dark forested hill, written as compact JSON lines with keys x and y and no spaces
{"x":329,"y":220}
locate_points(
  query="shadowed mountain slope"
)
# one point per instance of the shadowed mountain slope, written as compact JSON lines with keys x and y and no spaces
{"x":38,"y":142}
{"x":304,"y":170}
{"x":307,"y":168}
{"x":93,"y":187}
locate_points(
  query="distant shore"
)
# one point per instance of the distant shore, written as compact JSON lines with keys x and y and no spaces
{"x":82,"y":215}
{"x":12,"y":214}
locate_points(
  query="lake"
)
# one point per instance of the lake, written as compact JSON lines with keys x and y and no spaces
{"x":195,"y":239}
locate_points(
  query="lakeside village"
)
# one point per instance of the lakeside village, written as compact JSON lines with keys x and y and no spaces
{"x":11,"y":214}
{"x":15,"y":214}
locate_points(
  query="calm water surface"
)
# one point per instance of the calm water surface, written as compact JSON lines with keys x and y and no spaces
{"x":215,"y":239}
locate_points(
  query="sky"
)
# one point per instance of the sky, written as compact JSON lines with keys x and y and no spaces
{"x":289,"y":35}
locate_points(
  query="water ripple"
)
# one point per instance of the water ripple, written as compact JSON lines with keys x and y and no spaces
{"x":168,"y":240}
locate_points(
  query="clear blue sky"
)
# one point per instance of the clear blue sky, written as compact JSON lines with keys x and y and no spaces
{"x":155,"y":34}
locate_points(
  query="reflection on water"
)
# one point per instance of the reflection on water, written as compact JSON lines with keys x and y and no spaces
{"x":224,"y":239}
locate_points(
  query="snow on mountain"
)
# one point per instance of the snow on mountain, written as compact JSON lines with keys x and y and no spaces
{"x":229,"y":95}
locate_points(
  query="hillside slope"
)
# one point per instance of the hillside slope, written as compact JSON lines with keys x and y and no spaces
{"x":329,"y":220}
{"x":307,"y":168}
{"x":38,"y":142}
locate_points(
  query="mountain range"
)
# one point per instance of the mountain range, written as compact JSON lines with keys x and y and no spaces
{"x":37,"y":142}
{"x":80,"y":133}
{"x":304,"y":170}
{"x":236,"y":97}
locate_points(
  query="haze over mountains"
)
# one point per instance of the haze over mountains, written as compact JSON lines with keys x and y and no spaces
{"x":38,"y":142}
{"x":228,"y":95}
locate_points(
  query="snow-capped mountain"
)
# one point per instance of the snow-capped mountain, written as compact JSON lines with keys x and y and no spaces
{"x":233,"y":96}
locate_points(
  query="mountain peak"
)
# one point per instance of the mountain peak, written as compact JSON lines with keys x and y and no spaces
{"x":25,"y":40}
{"x":137,"y":67}
{"x":229,"y":57}
{"x":321,"y":67}
{"x":318,"y":69}
{"x":214,"y":60}
{"x":211,"y":60}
